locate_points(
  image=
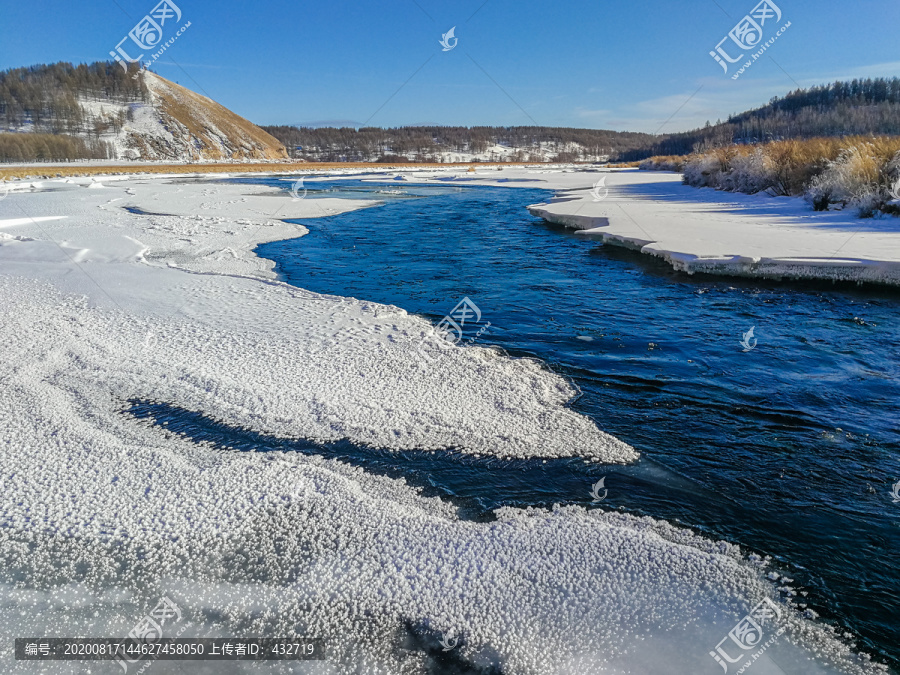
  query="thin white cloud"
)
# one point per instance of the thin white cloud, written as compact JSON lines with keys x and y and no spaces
{"x":197,"y":65}
{"x":315,"y":124}
{"x":717,"y":99}
{"x":889,"y":69}
{"x":586,"y":113}
{"x":676,"y":112}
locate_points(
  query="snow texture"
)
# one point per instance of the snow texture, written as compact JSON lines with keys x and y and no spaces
{"x":102,"y":515}
{"x":729,"y":234}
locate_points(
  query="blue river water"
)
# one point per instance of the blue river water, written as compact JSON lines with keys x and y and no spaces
{"x":789,"y":449}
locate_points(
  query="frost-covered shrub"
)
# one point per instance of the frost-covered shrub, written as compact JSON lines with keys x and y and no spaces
{"x":662,"y":163}
{"x":892,"y":169}
{"x":849,"y":180}
{"x":797,"y":162}
{"x":861,"y":172}
{"x":750,"y":173}
{"x":892,"y":173}
{"x":702,"y":171}
{"x":869,"y":203}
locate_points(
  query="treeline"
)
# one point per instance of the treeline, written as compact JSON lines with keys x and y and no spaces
{"x":857,"y":107}
{"x":823,"y":97}
{"x":45,"y":98}
{"x":51,"y":148}
{"x":347,"y":144}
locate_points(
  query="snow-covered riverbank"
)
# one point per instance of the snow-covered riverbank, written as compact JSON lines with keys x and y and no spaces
{"x":730,"y":234}
{"x":103,"y":515}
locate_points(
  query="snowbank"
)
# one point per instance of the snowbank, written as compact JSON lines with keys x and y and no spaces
{"x":730,"y":234}
{"x":103,"y":515}
{"x":335,"y":356}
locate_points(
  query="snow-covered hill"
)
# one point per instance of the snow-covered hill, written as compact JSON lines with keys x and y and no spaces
{"x":174,"y":124}
{"x":180,"y":124}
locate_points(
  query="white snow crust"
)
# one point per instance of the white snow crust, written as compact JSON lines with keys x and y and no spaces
{"x":728,"y":233}
{"x":102,"y":514}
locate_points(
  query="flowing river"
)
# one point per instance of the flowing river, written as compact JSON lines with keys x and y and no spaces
{"x":789,"y":448}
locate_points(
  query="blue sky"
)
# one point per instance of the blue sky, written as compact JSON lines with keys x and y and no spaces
{"x":606,"y":64}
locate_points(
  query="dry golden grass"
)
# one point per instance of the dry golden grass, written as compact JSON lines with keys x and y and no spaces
{"x":796,"y":163}
{"x":662,"y":162}
{"x":197,"y":113}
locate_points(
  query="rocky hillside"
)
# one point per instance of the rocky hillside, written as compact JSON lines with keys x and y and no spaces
{"x":177,"y":123}
{"x":98,"y":111}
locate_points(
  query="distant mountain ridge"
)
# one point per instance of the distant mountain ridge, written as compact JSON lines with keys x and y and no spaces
{"x":856,"y":107}
{"x":456,"y":144}
{"x":100,"y":111}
